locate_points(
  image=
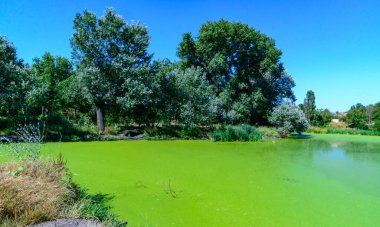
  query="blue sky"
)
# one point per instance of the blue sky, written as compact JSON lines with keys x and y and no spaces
{"x":330,"y":47}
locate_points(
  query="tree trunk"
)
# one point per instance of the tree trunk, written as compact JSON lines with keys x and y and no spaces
{"x":100,"y":118}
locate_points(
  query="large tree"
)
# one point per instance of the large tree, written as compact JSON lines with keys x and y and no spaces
{"x":243,"y":61}
{"x":309,"y":105}
{"x":109,"y":53}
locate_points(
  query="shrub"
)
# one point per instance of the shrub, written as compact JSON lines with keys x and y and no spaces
{"x":268,"y":133}
{"x":172,"y":132}
{"x":288,"y":118}
{"x":236,"y":133}
{"x":337,"y":125}
{"x":317,"y":130}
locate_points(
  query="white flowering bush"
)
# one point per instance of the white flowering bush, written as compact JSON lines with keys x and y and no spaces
{"x":288,"y":118}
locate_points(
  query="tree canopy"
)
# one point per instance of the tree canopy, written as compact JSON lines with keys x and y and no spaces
{"x":109,"y":54}
{"x":243,"y":66}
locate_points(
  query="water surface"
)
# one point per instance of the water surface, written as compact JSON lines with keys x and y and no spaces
{"x":324,"y":181}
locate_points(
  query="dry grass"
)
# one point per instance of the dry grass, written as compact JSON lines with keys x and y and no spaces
{"x":33,"y":191}
{"x":337,"y":125}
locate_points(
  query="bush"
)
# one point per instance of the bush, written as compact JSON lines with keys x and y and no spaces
{"x":268,"y":133}
{"x":175,"y":132}
{"x":337,"y":125}
{"x":236,"y":133}
{"x":288,"y":118}
{"x":317,"y":130}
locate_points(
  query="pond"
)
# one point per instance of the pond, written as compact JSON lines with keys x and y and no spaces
{"x":323,"y":181}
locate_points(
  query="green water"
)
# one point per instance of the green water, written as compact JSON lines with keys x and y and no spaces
{"x":324,"y":181}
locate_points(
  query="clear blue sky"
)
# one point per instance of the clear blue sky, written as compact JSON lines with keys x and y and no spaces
{"x":330,"y":47}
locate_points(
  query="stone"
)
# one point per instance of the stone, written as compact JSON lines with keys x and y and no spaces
{"x":69,"y":223}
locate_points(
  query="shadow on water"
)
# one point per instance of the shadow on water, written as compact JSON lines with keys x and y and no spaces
{"x":300,"y":136}
{"x":98,"y":205}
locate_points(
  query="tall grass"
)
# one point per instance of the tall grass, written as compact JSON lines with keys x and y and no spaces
{"x":33,"y":191}
{"x":236,"y":133}
{"x":347,"y":131}
{"x":353,"y":132}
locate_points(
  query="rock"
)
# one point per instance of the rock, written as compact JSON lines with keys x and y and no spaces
{"x":132,"y":133}
{"x":69,"y":223}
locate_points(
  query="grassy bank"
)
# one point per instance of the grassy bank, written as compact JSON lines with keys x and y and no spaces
{"x":34,"y":191}
{"x":345,"y":131}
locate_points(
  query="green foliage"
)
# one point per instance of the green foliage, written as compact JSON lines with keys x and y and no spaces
{"x":43,"y":95}
{"x":13,"y":82}
{"x":317,"y":130}
{"x":175,"y":132}
{"x":376,"y":125}
{"x":110,"y":53}
{"x":187,"y":99}
{"x":243,"y":65}
{"x":95,"y":206}
{"x":347,"y":131}
{"x":357,"y":117}
{"x":353,"y":132}
{"x":268,"y":133}
{"x":309,"y":105}
{"x":321,"y":118}
{"x":27,"y":145}
{"x":236,"y":133}
{"x":288,"y":118}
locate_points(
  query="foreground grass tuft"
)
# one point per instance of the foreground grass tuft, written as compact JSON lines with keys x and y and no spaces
{"x":33,"y":191}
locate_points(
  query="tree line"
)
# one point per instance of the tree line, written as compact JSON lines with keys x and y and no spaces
{"x":357,"y":117}
{"x":229,"y":73}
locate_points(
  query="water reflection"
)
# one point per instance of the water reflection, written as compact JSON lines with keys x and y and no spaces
{"x":354,"y":164}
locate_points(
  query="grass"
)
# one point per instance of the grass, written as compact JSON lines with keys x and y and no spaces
{"x":236,"y":133}
{"x":33,"y":191}
{"x":347,"y":131}
{"x":324,"y":181}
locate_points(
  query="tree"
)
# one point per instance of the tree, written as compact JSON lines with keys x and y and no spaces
{"x":13,"y":81}
{"x":47,"y":74}
{"x":321,"y":118}
{"x":108,"y":51}
{"x":309,"y":105}
{"x":357,"y":117}
{"x":243,"y":66}
{"x":288,"y":118}
{"x":376,"y":111}
{"x":187,"y":99}
{"x":376,"y":116}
